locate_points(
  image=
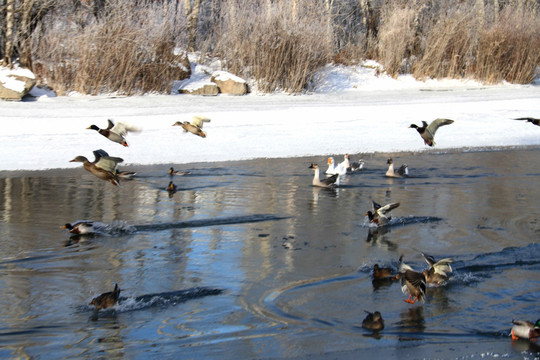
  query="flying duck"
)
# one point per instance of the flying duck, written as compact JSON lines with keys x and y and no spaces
{"x":402,"y":171}
{"x":378,"y":215}
{"x":381,"y":273}
{"x":329,"y":182}
{"x":106,"y":300}
{"x":525,"y":329}
{"x":173,"y":172}
{"x":195,"y":126}
{"x":437,"y":272}
{"x":373,"y":321}
{"x":104,"y":166}
{"x":412,"y":282}
{"x":427,"y":132}
{"x":80,"y":227}
{"x":115,"y":132}
{"x":531,"y":120}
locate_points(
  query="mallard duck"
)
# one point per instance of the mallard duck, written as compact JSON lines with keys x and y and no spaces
{"x":125,"y":174}
{"x":329,"y":182}
{"x":173,"y":172}
{"x":381,"y":273}
{"x":171,"y":189}
{"x":80,"y":227}
{"x":355,"y":165}
{"x":402,"y":171}
{"x":437,"y":272}
{"x":525,"y":329}
{"x":195,"y":126}
{"x":412,"y":282}
{"x":104,"y":166}
{"x":531,"y":120}
{"x":373,"y":321}
{"x":427,"y":132}
{"x":378,"y":213}
{"x":106,"y":300}
{"x":115,"y":132}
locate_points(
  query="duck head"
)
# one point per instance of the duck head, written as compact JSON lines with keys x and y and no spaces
{"x":67,"y":226}
{"x":79,"y":159}
{"x":93,"y":127}
{"x":389,"y":161}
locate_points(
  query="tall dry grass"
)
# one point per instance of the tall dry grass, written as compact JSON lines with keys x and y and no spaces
{"x":279,"y":46}
{"x":128,"y":47}
{"x":129,"y":50}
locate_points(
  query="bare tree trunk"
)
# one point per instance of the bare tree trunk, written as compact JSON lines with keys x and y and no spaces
{"x":193,"y":8}
{"x":10,"y":24}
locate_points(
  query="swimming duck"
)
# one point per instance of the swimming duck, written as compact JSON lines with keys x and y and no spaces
{"x":115,"y":132}
{"x":178,"y":172}
{"x":437,"y":272}
{"x":402,"y":171}
{"x":332,"y":181}
{"x":80,"y":227}
{"x":378,"y":215}
{"x":531,"y":120}
{"x":195,"y":126}
{"x":525,"y":329}
{"x":171,"y":188}
{"x":106,"y":300}
{"x":355,"y":165}
{"x":412,"y":282}
{"x":125,"y":174}
{"x":104,"y":166}
{"x":373,"y":321}
{"x":427,"y":132}
{"x":380,"y":273}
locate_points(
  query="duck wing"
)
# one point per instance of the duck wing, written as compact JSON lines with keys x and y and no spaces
{"x":199,"y":121}
{"x":383,"y":210}
{"x":332,"y":180}
{"x":108,"y":163}
{"x":122,"y":129}
{"x":98,"y":154}
{"x":403,"y":170}
{"x":523,"y":323}
{"x":530,"y":119}
{"x":442,"y":266}
{"x":437,"y":123}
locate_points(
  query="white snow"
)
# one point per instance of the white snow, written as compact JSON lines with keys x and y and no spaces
{"x":8,"y":81}
{"x":354,"y":111}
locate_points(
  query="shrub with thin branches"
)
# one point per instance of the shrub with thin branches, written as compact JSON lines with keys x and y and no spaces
{"x":276,"y":46}
{"x":125,"y":51}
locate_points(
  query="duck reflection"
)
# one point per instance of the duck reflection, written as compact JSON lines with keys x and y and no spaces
{"x":412,"y":320}
{"x":377,"y":236}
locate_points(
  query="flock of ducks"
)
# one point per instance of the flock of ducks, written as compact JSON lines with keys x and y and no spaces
{"x":105,"y":167}
{"x":413,"y":282}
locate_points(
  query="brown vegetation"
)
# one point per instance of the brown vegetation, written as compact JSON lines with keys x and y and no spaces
{"x":129,"y":47}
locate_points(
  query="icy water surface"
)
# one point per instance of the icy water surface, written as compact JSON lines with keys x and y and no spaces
{"x":248,"y":260}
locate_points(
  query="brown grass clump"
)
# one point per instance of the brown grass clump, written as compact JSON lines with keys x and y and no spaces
{"x":123,"y":52}
{"x":278,"y":46}
{"x":509,"y":49}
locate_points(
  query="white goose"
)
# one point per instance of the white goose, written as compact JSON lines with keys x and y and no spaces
{"x":340,"y":169}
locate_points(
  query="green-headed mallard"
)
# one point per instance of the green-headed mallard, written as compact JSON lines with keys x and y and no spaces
{"x":115,"y":132}
{"x":329,"y":182}
{"x":378,"y":214}
{"x":438,"y":270}
{"x":195,"y":126}
{"x":80,"y":227}
{"x":373,"y":321}
{"x":106,"y":300}
{"x":104,"y":166}
{"x":402,"y":171}
{"x":427,"y":132}
{"x":525,"y":329}
{"x":412,"y":282}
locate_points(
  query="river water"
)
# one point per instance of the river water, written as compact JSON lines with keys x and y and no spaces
{"x":248,"y":260}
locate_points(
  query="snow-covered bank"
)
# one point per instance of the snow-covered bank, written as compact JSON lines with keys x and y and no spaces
{"x":352,"y":116}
